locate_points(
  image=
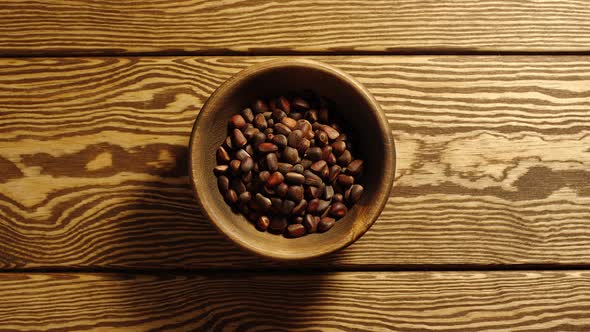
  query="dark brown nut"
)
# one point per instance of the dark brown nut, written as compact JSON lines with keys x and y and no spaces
{"x":247,"y":114}
{"x":318,"y":166}
{"x":294,"y":178}
{"x":338,"y":210}
{"x":342,"y":137}
{"x":229,"y":145}
{"x":267,"y":147}
{"x":325,"y":173}
{"x":241,"y":154}
{"x":247,"y":165}
{"x":269,"y":137}
{"x":311,"y":115}
{"x":305,"y":127}
{"x":263,"y":202}
{"x":283,"y":103}
{"x":345,"y":158}
{"x":355,"y":167}
{"x":321,"y":138}
{"x":272,"y":163}
{"x":300,"y":104}
{"x":298,"y":168}
{"x":278,"y":115}
{"x":328,"y":193}
{"x":276,"y":204}
{"x":331,"y":160}
{"x":345,"y":180}
{"x":312,"y":179}
{"x":290,"y":155}
{"x":322,"y":206}
{"x":234,"y":166}
{"x":312,"y":206}
{"x":237,"y":121}
{"x":282,"y":129}
{"x":268,"y":191}
{"x":275,"y":179}
{"x":263,"y":176}
{"x":299,"y":208}
{"x":260,"y":106}
{"x":252,"y":215}
{"x":285,"y":167}
{"x":304,"y":144}
{"x":258,"y":139}
{"x":323,"y":115}
{"x":222,"y":156}
{"x":280,"y":140}
{"x":272,"y":104}
{"x":278,"y":225}
{"x":337,"y":198}
{"x":268,"y":131}
{"x":232,"y":196}
{"x":295,"y":193}
{"x":310,"y":223}
{"x":262,"y":223}
{"x":239,"y":138}
{"x":245,"y":197}
{"x":253,"y":205}
{"x":332,"y":133}
{"x":326,"y":152}
{"x":287,"y":207}
{"x":316,"y":126}
{"x":296,"y":115}
{"x":237,"y":185}
{"x":260,"y":122}
{"x":223,"y":184}
{"x":325,"y":224}
{"x":249,"y":149}
{"x":338,"y":147}
{"x":249,"y":132}
{"x":295,"y":230}
{"x":294,"y":138}
{"x":270,"y":122}
{"x":267,"y":116}
{"x":297,"y":220}
{"x":289,"y":122}
{"x":311,"y":192}
{"x":247,"y":177}
{"x":281,"y":189}
{"x":314,"y":154}
{"x":354,"y":193}
{"x":243,"y":208}
{"x":334,"y":172}
{"x":306,"y":163}
{"x":220,"y":169}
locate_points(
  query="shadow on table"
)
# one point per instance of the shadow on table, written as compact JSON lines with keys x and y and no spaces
{"x":205,"y":281}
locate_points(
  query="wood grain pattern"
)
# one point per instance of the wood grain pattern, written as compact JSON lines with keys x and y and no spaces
{"x":493,"y":156}
{"x":358,"y":301}
{"x":264,"y":26}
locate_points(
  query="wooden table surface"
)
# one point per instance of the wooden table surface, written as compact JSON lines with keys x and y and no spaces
{"x":487,"y":227}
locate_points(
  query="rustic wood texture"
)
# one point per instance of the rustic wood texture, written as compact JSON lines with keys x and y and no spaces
{"x":264,"y":26}
{"x":357,"y":301}
{"x":492,"y":168}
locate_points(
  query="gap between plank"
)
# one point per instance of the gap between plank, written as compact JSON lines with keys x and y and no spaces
{"x":266,"y":53}
{"x":311,"y":270}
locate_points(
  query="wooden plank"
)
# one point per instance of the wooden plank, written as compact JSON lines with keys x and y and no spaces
{"x":493,"y":162}
{"x":53,"y":27}
{"x":357,"y":301}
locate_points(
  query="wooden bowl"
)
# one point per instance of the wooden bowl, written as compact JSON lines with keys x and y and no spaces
{"x":363,"y":118}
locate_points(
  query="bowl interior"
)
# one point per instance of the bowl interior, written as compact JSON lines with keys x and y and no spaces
{"x":360,"y":116}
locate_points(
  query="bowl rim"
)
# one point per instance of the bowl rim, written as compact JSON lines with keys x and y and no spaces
{"x":259,"y":68}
